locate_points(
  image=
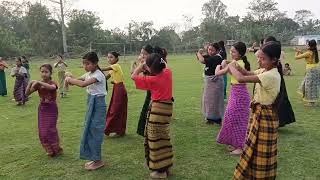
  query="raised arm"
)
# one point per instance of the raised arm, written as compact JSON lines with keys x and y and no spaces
{"x":31,"y":88}
{"x":106,"y":69}
{"x":47,"y":86}
{"x":300,"y":55}
{"x":241,"y":78}
{"x":200,"y":57}
{"x":137,"y":71}
{"x":80,"y":83}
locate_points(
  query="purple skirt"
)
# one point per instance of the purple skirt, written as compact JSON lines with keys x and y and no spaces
{"x":236,"y":117}
{"x":20,"y":89}
{"x":47,"y":125}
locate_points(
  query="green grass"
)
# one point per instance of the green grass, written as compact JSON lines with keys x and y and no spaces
{"x":197,"y":155}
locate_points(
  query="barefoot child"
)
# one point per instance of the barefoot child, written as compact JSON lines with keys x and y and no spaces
{"x":158,"y":147}
{"x":236,"y":117}
{"x":47,"y":111}
{"x":259,"y":158}
{"x":20,"y":83}
{"x":117,"y":113}
{"x":61,"y":66}
{"x":92,"y":138}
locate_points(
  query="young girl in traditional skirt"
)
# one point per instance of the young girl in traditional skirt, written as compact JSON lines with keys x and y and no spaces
{"x":61,"y":66}
{"x":3,"y":84}
{"x":259,"y":158}
{"x":117,"y":113}
{"x":144,"y":54}
{"x":213,"y":99}
{"x":25,"y":64}
{"x":158,"y":147}
{"x":21,"y":82}
{"x":92,"y":138}
{"x":309,"y":88}
{"x":47,"y":111}
{"x":236,"y":117}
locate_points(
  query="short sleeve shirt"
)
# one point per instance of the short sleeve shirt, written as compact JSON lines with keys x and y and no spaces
{"x":160,"y":85}
{"x":99,"y":87}
{"x":267,"y":91}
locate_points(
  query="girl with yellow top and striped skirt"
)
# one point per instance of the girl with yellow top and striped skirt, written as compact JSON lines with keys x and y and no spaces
{"x":259,"y":158}
{"x":158,"y":148}
{"x":116,"y":121}
{"x":310,"y":86}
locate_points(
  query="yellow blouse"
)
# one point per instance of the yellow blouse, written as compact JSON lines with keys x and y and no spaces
{"x":241,"y":64}
{"x":116,"y":73}
{"x":309,"y":57}
{"x":267,"y":91}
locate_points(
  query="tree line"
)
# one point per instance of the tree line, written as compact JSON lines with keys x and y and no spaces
{"x":32,"y":29}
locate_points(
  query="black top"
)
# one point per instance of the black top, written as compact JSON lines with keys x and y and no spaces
{"x":211,"y":62}
{"x":223,"y":54}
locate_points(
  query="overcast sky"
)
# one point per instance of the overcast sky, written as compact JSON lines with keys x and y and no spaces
{"x":118,"y":13}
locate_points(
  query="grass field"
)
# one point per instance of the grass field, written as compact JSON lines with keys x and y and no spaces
{"x":197,"y":155}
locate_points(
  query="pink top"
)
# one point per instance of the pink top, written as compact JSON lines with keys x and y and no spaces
{"x":159,"y":85}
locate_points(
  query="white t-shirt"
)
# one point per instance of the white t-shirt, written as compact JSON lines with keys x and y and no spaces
{"x":99,"y":87}
{"x":20,"y":70}
{"x":60,"y":66}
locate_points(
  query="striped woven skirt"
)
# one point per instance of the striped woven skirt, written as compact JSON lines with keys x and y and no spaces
{"x":116,"y":120}
{"x":3,"y":84}
{"x":158,"y":148}
{"x":92,"y":137}
{"x":259,"y":159}
{"x":236,"y":117}
{"x":20,"y":89}
{"x":213,"y":98}
{"x":47,"y":126}
{"x":309,"y":88}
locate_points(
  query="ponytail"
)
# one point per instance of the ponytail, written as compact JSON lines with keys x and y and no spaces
{"x":316,"y":55}
{"x":246,"y":63}
{"x":105,"y":77}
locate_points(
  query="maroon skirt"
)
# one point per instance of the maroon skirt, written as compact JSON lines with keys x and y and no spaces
{"x":47,"y":125}
{"x":116,"y":120}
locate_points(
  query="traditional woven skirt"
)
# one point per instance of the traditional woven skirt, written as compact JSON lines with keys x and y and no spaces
{"x":213,"y":99}
{"x":236,"y":117}
{"x":259,"y":159}
{"x":116,"y":121}
{"x":3,"y":84}
{"x":92,"y":137}
{"x":61,"y":77}
{"x":20,"y":89}
{"x":47,"y":126}
{"x":158,"y":148}
{"x":144,"y":114}
{"x":309,"y":88}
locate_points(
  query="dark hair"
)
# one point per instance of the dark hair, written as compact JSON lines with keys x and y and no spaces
{"x":270,"y":38}
{"x":92,"y":57}
{"x":242,"y":49}
{"x":287,"y":64}
{"x":156,"y":63}
{"x":59,"y":55}
{"x":19,"y":59}
{"x":115,"y":54}
{"x":48,"y":66}
{"x":25,"y":58}
{"x":261,"y":41}
{"x":161,"y":51}
{"x":221,"y":44}
{"x":148,"y":48}
{"x":215,"y":45}
{"x":313,"y":47}
{"x":273,"y":50}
